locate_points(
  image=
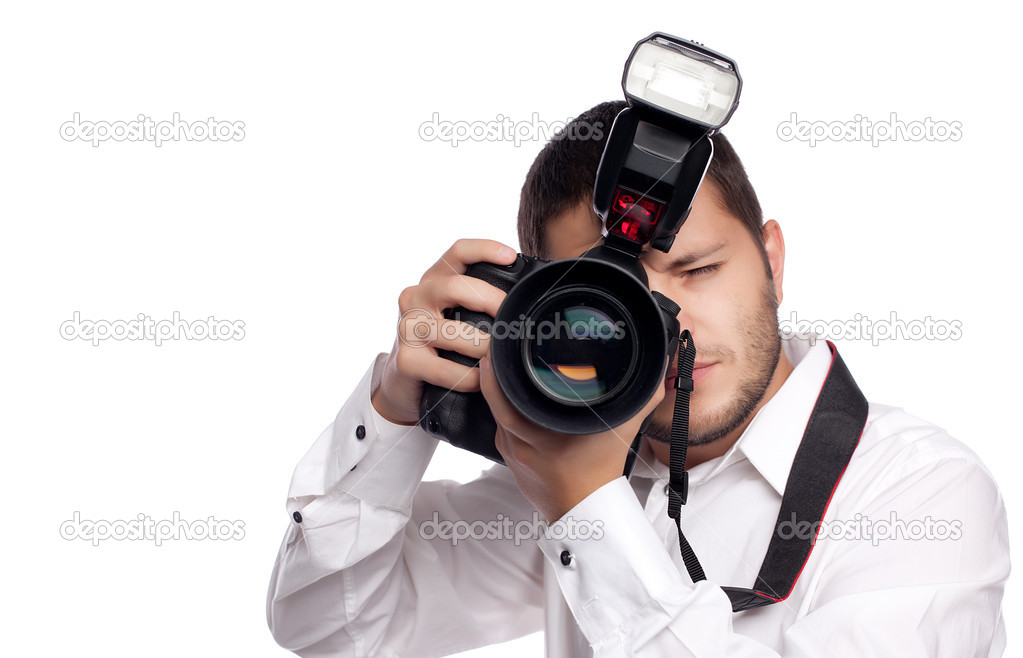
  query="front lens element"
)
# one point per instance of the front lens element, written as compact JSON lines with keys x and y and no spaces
{"x":581,"y":346}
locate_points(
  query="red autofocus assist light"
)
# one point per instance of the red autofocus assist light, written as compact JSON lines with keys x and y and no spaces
{"x":633,"y":216}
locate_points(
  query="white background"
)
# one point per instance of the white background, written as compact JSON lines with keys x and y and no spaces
{"x":308,"y":228}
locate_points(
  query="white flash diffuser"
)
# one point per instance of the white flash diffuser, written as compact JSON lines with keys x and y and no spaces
{"x":684,"y":79}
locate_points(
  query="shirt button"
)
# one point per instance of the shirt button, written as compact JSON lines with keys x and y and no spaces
{"x":360,"y":432}
{"x":297,"y":516}
{"x":566,"y":558}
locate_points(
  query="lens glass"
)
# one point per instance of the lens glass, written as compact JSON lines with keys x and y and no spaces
{"x":581,"y":347}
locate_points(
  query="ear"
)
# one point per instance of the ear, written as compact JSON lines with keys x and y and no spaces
{"x":774,"y":245}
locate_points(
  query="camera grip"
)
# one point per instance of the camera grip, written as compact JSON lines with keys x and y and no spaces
{"x":464,"y":419}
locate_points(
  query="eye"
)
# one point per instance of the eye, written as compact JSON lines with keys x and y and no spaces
{"x":702,"y":271}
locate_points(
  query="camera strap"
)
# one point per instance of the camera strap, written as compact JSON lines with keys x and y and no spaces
{"x":831,"y":435}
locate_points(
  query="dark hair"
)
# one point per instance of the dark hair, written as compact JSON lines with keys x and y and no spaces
{"x":562,"y":176}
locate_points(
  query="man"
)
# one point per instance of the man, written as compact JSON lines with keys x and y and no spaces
{"x":363,"y":572}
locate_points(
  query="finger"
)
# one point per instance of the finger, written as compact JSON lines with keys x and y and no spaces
{"x":418,"y":328}
{"x":655,"y":400}
{"x":504,"y":413}
{"x":424,"y":364}
{"x":459,"y":290}
{"x":501,"y":442}
{"x":510,"y":439}
{"x":632,"y":425}
{"x":463,"y":338}
{"x":463,"y":253}
{"x":626,"y":432}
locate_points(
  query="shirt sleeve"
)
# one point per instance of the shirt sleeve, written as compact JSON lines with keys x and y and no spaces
{"x":872,"y":597}
{"x":377,"y":563}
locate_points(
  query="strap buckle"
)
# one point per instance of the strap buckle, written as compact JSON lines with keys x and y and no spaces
{"x":678,"y":495}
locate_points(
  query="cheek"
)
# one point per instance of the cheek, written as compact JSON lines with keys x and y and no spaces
{"x":711,"y":309}
{"x":722,"y":321}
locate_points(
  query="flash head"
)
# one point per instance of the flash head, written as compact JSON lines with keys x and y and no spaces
{"x":682,"y":78}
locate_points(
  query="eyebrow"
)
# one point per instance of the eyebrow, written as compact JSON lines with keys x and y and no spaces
{"x":692,"y":257}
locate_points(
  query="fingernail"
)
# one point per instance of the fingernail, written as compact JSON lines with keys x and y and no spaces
{"x":485,"y":364}
{"x":507,"y":253}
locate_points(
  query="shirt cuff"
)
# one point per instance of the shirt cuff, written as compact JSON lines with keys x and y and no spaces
{"x":364,"y":455}
{"x":613,"y":569}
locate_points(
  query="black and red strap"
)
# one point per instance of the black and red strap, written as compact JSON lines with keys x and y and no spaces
{"x":829,"y":440}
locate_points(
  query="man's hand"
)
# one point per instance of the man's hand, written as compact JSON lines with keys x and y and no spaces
{"x":422,"y":330}
{"x":554,"y":471}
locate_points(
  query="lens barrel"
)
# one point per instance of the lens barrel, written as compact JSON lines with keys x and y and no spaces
{"x":587,"y":348}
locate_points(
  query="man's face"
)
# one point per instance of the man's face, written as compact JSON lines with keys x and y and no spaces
{"x":716,"y":273}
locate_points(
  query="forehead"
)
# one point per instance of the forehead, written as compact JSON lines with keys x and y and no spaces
{"x":708,"y":225}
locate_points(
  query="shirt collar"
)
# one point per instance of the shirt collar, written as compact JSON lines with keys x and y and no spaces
{"x":771,"y":439}
{"x":773,"y":436}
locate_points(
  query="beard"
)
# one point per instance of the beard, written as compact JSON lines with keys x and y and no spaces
{"x":759,"y":330}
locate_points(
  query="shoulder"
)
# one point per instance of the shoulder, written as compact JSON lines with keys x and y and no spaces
{"x":892,"y":432}
{"x":899,"y":451}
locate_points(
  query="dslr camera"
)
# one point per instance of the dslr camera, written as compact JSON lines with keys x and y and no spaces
{"x":580,"y":345}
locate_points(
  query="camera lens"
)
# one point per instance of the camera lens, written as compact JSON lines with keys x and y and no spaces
{"x":581,"y":346}
{"x":593,"y":349}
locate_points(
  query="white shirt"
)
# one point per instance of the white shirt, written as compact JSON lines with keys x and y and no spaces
{"x":365,"y":572}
